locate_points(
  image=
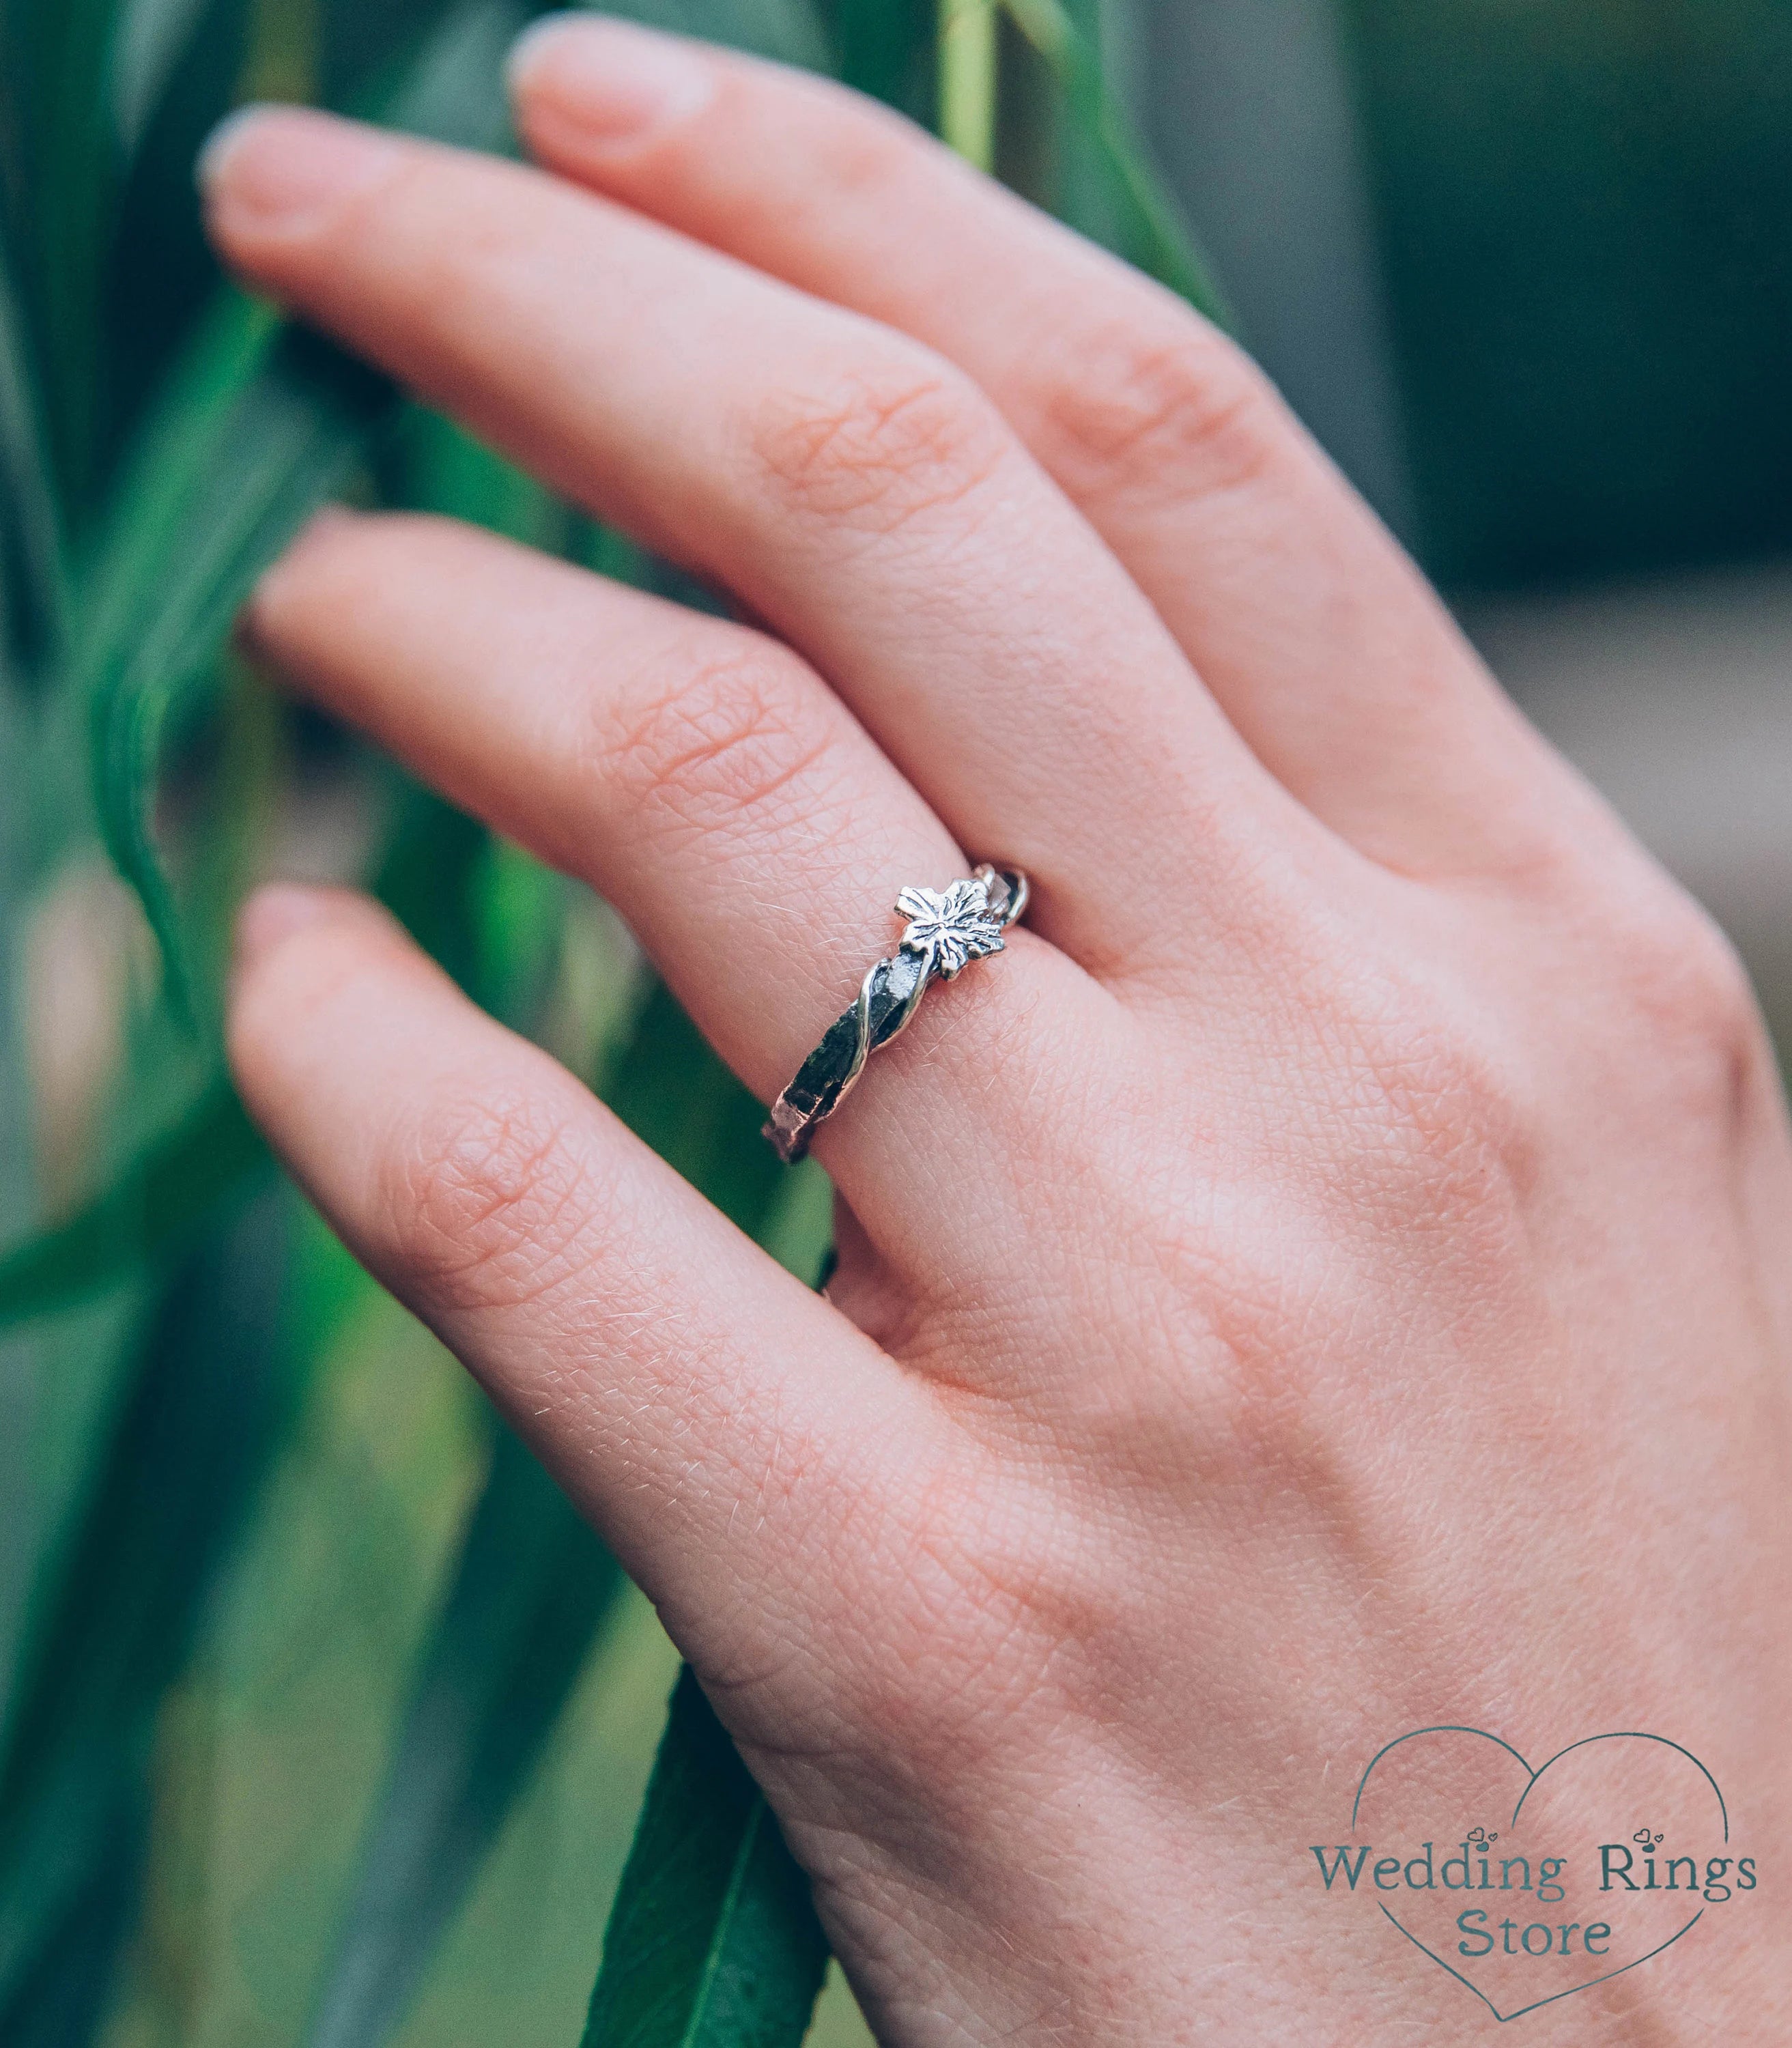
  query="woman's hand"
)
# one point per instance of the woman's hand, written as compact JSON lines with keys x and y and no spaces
{"x":1327,"y":1276}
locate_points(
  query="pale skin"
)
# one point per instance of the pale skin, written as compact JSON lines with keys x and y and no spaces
{"x":1329,"y":1274}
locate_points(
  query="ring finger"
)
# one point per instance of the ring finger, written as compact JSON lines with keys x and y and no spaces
{"x":705,"y":780}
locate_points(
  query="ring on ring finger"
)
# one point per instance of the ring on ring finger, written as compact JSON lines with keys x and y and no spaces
{"x":946,"y":931}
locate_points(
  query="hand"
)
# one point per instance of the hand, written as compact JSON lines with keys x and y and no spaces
{"x":1327,"y":1276}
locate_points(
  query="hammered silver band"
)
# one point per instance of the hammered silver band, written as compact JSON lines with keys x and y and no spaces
{"x":946,"y":931}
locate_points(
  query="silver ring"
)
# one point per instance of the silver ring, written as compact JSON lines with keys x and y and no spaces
{"x":946,"y":931}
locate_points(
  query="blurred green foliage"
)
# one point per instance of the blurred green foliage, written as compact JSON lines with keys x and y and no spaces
{"x":1587,"y":215}
{"x":322,"y":1719}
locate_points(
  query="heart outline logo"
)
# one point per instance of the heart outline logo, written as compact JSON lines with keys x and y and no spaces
{"x":1532,"y":1778}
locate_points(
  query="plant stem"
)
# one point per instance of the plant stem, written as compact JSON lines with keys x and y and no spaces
{"x":967,"y":79}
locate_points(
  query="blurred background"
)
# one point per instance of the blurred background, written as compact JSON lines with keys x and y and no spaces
{"x":322,"y":1724}
{"x":1525,"y":266}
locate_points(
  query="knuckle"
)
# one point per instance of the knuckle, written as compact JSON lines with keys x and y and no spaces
{"x":1159,"y":413}
{"x":1678,"y":974}
{"x":1460,"y":1160}
{"x":734,"y":734}
{"x":1472,"y":1120}
{"x":1680,"y":966}
{"x":987,"y":1593}
{"x":485,"y":1201}
{"x":1440,"y":1127}
{"x":875,"y":443}
{"x":866,"y":146}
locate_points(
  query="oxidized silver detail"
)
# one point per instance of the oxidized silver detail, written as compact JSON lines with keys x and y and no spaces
{"x":947,"y":929}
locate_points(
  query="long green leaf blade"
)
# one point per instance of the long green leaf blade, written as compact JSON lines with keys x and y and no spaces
{"x":1152,"y":234}
{"x":60,"y":2000}
{"x":259,"y":426}
{"x":713,"y":1940}
{"x":152,"y":35}
{"x":162,"y":1198}
{"x":275,"y":452}
{"x":53,"y":69}
{"x":529,"y":1592}
{"x":22,"y":1356}
{"x":179,"y":67}
{"x":791,"y":31}
{"x":885,"y":47}
{"x":33,"y":596}
{"x":192,"y":1440}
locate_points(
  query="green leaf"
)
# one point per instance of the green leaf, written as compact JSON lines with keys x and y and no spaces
{"x":790,"y":31}
{"x":215,"y":1385}
{"x":33,"y":598}
{"x":428,"y":879}
{"x":22,"y":1356}
{"x":713,"y":1940}
{"x":16,"y":1183}
{"x":671,"y":1091}
{"x":453,"y":90}
{"x":179,"y":68}
{"x":259,"y":425}
{"x":1151,"y":232}
{"x":152,"y":35}
{"x":529,"y":1594}
{"x":363,"y":43}
{"x":162,"y":1199}
{"x":53,"y":71}
{"x":264,"y":427}
{"x":62,"y":1999}
{"x":885,"y":47}
{"x":444,"y":469}
{"x":166,"y":1194}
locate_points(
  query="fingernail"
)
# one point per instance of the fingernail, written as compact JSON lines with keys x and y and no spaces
{"x":283,"y":169}
{"x":612,"y":81}
{"x":273,"y":914}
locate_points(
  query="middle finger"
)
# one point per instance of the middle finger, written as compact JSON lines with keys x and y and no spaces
{"x":853,"y":489}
